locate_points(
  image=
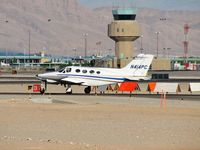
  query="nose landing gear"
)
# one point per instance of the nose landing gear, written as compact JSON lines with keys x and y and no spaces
{"x":43,"y":87}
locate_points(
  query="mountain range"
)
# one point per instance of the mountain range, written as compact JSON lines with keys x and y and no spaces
{"x":155,"y":4}
{"x":58,"y":27}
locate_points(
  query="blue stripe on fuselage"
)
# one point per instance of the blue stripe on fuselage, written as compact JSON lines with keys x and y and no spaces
{"x":88,"y":76}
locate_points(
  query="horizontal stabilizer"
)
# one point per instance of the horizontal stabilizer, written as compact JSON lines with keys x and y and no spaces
{"x":137,"y":78}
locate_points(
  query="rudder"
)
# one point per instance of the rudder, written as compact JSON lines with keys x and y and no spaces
{"x":139,"y":66}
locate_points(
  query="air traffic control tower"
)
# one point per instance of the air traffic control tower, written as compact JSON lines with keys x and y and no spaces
{"x":124,"y":30}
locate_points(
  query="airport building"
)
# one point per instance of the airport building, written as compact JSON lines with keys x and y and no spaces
{"x":191,"y":63}
{"x":161,"y":64}
{"x":124,"y":30}
{"x":42,"y":61}
{"x":17,"y":60}
{"x":158,"y":64}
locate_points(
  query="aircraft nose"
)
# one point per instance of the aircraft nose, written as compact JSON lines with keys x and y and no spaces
{"x":38,"y":76}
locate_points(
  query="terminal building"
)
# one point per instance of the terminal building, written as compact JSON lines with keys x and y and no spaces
{"x":42,"y":61}
{"x":21,"y":59}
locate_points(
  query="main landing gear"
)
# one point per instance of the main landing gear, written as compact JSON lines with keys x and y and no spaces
{"x":87,"y":90}
{"x":68,"y":89}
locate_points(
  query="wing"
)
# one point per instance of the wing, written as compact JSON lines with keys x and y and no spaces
{"x":85,"y":81}
{"x":72,"y":80}
{"x":52,"y":81}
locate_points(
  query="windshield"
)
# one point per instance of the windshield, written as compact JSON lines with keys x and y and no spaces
{"x":65,"y":70}
{"x":61,"y":70}
{"x":68,"y":69}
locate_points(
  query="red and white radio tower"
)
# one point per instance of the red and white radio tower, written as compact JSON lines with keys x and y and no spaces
{"x":186,"y":43}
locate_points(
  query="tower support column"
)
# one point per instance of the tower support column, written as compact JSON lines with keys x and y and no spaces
{"x":124,"y":49}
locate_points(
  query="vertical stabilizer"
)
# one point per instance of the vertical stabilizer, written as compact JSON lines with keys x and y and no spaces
{"x":139,"y":66}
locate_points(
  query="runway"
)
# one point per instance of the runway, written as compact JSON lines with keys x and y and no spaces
{"x":191,"y":97}
{"x":182,"y":77}
{"x":103,"y":121}
{"x":18,"y":85}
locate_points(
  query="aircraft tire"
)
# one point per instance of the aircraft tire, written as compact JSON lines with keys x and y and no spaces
{"x":69,"y":92}
{"x":87,"y":90}
{"x":42,"y":91}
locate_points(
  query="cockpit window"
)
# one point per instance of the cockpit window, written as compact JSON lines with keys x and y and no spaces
{"x":61,"y":70}
{"x":64,"y":70}
{"x":68,"y":69}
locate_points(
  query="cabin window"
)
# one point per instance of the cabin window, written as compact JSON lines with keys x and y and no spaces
{"x":91,"y":71}
{"x":78,"y":70}
{"x":98,"y":72}
{"x":84,"y":71}
{"x":68,"y":69}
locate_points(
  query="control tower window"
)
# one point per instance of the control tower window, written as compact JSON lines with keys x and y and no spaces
{"x":124,"y":17}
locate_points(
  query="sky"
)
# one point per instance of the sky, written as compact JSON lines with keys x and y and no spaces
{"x":157,"y":4}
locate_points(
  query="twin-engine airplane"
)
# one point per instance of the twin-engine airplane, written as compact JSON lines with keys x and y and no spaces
{"x":91,"y":76}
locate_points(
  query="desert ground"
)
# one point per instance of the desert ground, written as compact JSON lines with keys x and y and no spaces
{"x":97,"y":122}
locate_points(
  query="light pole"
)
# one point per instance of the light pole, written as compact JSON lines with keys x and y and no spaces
{"x":29,"y":42}
{"x":74,"y":49}
{"x":157,"y":38}
{"x":5,"y":21}
{"x":29,"y":46}
{"x":164,"y":52}
{"x":168,"y":49}
{"x":24,"y":57}
{"x":6,"y":48}
{"x":110,"y":51}
{"x":85,"y":39}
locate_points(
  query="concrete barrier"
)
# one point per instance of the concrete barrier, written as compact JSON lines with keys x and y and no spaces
{"x":194,"y":87}
{"x":102,"y":88}
{"x":167,"y":87}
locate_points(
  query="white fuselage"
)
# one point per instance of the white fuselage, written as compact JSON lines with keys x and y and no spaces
{"x":87,"y":75}
{"x":91,"y":76}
